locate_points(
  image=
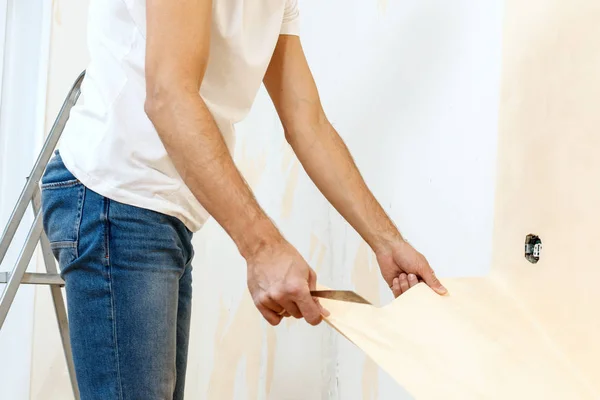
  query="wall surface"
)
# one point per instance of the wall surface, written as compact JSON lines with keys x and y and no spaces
{"x":412,"y":87}
{"x":22,"y":95}
{"x":528,"y":330}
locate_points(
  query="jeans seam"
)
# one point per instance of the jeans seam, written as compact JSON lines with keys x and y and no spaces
{"x":106,"y":232}
{"x":107,"y":262}
{"x":80,"y":202}
{"x":60,"y":185}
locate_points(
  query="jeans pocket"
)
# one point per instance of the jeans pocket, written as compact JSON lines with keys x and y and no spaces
{"x":62,"y":205}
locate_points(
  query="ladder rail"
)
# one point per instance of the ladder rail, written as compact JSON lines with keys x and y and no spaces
{"x":39,"y":167}
{"x":18,"y":275}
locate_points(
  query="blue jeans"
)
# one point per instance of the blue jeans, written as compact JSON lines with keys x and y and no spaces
{"x":129,"y":289}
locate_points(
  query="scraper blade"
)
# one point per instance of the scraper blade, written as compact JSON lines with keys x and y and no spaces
{"x":341,"y":295}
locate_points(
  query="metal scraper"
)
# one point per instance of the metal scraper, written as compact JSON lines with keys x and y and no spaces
{"x":341,"y":295}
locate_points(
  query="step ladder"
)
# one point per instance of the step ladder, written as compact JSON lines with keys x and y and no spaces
{"x":17,"y":276}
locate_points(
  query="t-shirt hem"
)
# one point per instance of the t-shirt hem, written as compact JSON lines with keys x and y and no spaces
{"x":125,"y":197}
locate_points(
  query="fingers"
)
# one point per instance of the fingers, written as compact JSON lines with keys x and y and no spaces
{"x":281,"y":304}
{"x":412,"y":280}
{"x":396,"y":287}
{"x":287,"y":301}
{"x":300,"y":304}
{"x":290,"y":308}
{"x":280,"y":293}
{"x":403,"y":278}
{"x":403,"y":282}
{"x":271,"y":310}
{"x":271,"y":316}
{"x":295,"y":301}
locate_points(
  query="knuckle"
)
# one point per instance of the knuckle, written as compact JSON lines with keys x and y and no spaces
{"x":432,"y":275}
{"x":262,"y":299}
{"x":277,"y":295}
{"x":295,"y":289}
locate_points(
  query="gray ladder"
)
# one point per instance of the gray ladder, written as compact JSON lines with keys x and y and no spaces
{"x":17,"y":276}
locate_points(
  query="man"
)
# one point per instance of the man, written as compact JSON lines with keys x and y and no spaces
{"x":145,"y":160}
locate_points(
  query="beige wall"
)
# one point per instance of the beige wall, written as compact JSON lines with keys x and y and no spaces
{"x":414,"y":93}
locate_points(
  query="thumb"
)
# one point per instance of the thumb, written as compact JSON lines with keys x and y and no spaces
{"x":312,"y":285}
{"x":312,"y":279}
{"x":432,"y":281}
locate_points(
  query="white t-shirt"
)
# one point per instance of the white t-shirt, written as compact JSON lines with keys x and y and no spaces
{"x":110,"y":144}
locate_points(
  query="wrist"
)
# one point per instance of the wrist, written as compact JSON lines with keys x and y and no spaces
{"x":383,"y":243}
{"x":260,"y":236}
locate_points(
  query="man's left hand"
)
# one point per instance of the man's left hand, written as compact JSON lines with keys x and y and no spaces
{"x":403,"y":267}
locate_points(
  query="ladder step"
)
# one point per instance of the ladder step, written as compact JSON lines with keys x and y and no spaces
{"x":35,"y":279}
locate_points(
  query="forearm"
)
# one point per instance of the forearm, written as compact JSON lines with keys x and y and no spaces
{"x":329,"y":164}
{"x":200,"y":155}
{"x":319,"y":148}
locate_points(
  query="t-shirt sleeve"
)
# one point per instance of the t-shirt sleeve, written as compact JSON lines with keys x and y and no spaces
{"x":291,"y":18}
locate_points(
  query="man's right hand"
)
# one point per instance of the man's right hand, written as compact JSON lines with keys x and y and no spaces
{"x":280,"y":282}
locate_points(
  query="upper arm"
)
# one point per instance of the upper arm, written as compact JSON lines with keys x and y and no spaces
{"x":177,"y":44}
{"x":292,"y":88}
